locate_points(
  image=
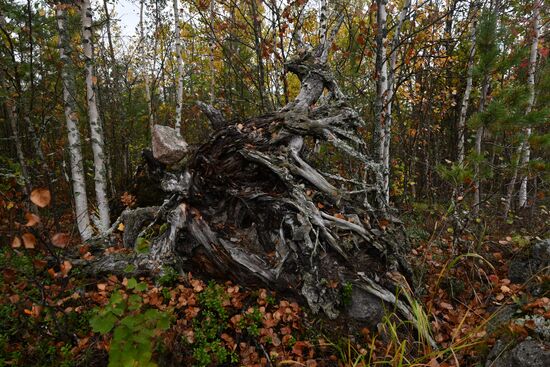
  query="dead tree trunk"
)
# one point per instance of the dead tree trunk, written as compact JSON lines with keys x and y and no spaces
{"x":249,"y":207}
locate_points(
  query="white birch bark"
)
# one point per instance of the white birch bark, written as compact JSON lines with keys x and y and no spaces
{"x":211,"y":56}
{"x":523,"y":151}
{"x":179,"y":90}
{"x":461,"y":127}
{"x":71,"y":119}
{"x":149,"y":99}
{"x":96,"y":130}
{"x":526,"y":152}
{"x":380,"y":128}
{"x":479,"y":138}
{"x":391,"y":90}
{"x":323,"y":16}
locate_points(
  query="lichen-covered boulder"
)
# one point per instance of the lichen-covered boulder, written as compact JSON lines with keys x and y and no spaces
{"x":531,"y":261}
{"x":168,"y":146}
{"x":529,"y":353}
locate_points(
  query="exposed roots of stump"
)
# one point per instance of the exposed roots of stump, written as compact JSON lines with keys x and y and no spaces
{"x":251,"y":207}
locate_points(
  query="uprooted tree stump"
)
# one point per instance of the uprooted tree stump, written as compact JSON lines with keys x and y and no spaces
{"x":249,"y":207}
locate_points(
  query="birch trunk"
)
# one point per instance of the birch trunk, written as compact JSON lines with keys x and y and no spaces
{"x":71,"y":119}
{"x":461,"y":127}
{"x":479,"y":138}
{"x":531,"y":84}
{"x":179,"y":91}
{"x":523,"y":151}
{"x":211,"y":56}
{"x":323,"y":17}
{"x":260,"y":68}
{"x":96,"y":130}
{"x":380,"y":128}
{"x":148,"y":98}
{"x":391,"y":86}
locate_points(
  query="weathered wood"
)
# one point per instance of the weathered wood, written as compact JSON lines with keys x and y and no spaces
{"x":250,"y":206}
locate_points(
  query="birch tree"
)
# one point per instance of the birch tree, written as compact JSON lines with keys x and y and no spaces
{"x":96,"y":130}
{"x":461,"y":126}
{"x":71,"y":120}
{"x":380,"y":128}
{"x":526,"y":150}
{"x":523,"y":151}
{"x":211,"y":41}
{"x":148,"y":97}
{"x":179,"y":90}
{"x":403,"y":14}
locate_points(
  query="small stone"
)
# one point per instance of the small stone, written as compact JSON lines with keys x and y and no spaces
{"x":168,"y":146}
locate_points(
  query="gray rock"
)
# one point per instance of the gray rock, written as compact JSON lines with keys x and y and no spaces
{"x":529,"y":353}
{"x":366,"y":307}
{"x":531,"y":261}
{"x":168,"y":146}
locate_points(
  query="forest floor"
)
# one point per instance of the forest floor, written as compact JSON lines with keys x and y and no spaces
{"x":51,"y":314}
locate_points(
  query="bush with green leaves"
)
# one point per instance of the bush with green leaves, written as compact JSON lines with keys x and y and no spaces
{"x":133,"y":326}
{"x":208,"y":327}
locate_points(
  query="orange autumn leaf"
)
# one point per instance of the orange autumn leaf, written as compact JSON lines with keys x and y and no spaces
{"x":16,"y":242}
{"x":65,"y":267}
{"x":60,"y":240}
{"x":41,"y":197}
{"x":29,"y":240}
{"x":14,"y":298}
{"x":32,"y":219}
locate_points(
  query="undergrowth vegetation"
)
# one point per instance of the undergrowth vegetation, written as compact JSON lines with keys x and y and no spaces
{"x":52,"y":315}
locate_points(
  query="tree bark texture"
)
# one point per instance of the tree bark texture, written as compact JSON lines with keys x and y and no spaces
{"x":96,"y":130}
{"x":461,"y":126}
{"x":526,"y":152}
{"x":71,"y":119}
{"x":179,"y":90}
{"x":148,"y":95}
{"x":381,"y":112}
{"x":523,"y":150}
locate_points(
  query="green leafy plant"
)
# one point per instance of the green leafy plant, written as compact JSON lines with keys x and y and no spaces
{"x":347,"y":289}
{"x":132,"y":325}
{"x":209,"y":325}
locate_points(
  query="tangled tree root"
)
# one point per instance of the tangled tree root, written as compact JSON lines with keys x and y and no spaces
{"x":249,"y":207}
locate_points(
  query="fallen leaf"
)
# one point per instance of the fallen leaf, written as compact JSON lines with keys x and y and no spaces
{"x":14,"y":298}
{"x":32,"y":219}
{"x":66,"y":267}
{"x":16,"y":243}
{"x":60,"y":239}
{"x":39,"y":263}
{"x":41,"y":197}
{"x":29,"y":240}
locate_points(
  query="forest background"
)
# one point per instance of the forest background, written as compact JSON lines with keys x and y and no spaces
{"x":455,"y":96}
